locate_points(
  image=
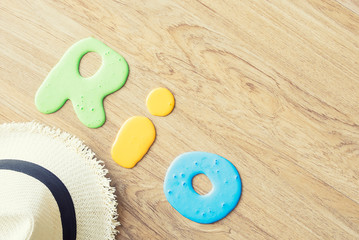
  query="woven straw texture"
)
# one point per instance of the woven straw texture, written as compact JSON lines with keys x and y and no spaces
{"x":30,"y":208}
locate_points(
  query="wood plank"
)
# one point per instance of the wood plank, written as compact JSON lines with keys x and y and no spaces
{"x":273,"y":86}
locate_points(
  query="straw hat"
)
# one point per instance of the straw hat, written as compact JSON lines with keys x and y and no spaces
{"x":52,"y":187}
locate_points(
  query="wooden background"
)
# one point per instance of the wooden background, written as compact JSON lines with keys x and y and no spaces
{"x":273,"y":86}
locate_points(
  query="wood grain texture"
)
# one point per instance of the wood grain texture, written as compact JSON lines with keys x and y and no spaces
{"x":273,"y":86}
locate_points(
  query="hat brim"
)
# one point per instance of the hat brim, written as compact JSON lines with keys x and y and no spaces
{"x":75,"y":165}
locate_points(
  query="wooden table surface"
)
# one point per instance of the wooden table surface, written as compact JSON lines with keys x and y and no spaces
{"x":273,"y":86}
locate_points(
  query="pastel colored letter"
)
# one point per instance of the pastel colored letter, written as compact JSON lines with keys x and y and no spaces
{"x":133,"y":141}
{"x":86,"y":94}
